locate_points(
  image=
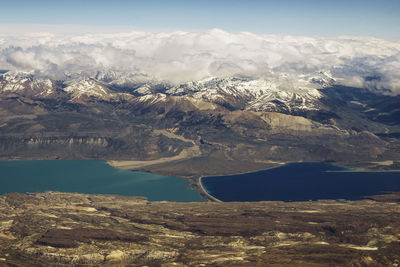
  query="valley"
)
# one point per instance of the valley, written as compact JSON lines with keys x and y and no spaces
{"x":209,"y":128}
{"x":199,"y":133}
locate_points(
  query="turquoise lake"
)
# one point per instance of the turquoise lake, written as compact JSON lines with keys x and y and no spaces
{"x":91,"y":177}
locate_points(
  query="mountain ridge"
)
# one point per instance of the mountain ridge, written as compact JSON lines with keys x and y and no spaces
{"x":237,"y":119}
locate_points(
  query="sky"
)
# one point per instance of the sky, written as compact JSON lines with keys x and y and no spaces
{"x":377,"y":18}
{"x":355,"y":42}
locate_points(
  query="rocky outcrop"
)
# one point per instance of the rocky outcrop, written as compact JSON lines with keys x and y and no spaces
{"x":58,"y":229}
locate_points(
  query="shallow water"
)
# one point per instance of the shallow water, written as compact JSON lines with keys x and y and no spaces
{"x":92,"y":177}
{"x":301,"y":182}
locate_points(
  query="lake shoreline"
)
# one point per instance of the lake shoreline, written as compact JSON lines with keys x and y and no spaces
{"x":208,"y":195}
{"x":139,"y":165}
{"x":91,"y":177}
{"x":205,"y":192}
{"x":301,"y":181}
{"x":197,"y":183}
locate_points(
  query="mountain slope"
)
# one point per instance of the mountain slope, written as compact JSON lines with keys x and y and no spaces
{"x":242,"y":120}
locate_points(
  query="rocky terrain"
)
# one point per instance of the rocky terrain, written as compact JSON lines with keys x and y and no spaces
{"x":211,"y":126}
{"x":65,"y":229}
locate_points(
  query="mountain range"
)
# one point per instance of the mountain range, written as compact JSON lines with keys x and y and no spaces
{"x":207,"y":126}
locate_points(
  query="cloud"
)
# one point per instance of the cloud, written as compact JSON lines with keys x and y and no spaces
{"x":183,"y":56}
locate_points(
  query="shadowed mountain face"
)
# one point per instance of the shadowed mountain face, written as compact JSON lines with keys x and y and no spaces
{"x":214,"y":120}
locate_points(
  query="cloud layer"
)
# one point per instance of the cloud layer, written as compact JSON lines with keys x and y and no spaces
{"x":182,"y":56}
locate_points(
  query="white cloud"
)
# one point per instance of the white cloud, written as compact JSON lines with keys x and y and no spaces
{"x":182,"y":56}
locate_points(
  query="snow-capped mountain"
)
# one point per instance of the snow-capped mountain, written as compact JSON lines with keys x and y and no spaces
{"x":261,"y":94}
{"x":25,"y":83}
{"x":257,"y":94}
{"x":129,"y":116}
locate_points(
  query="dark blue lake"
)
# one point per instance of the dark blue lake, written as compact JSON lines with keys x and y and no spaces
{"x":301,"y":182}
{"x":92,"y":177}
